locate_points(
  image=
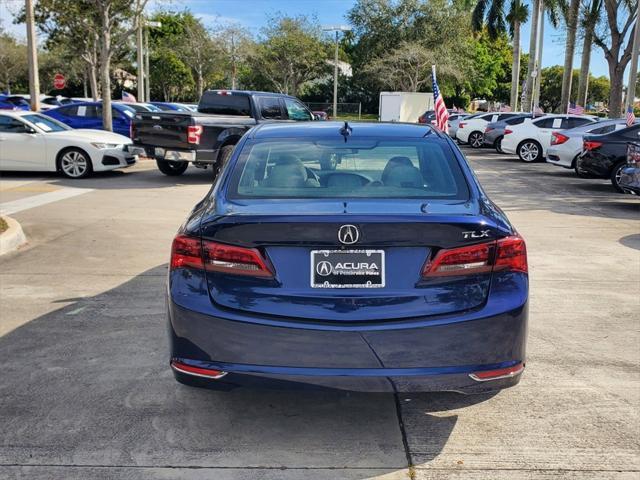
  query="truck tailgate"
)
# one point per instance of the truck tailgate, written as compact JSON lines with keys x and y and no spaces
{"x":162,"y":129}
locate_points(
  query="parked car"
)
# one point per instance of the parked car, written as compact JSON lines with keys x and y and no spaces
{"x":454,"y":122}
{"x":430,"y":115}
{"x":605,"y":156}
{"x":630,"y":176}
{"x":531,"y":138}
{"x":566,"y":145}
{"x":89,"y":115}
{"x":32,"y":141}
{"x":171,"y":107}
{"x":471,"y":130}
{"x":363,"y":288}
{"x":14,"y":102}
{"x":142,"y":107}
{"x":320,"y":115}
{"x":494,"y":131}
{"x":206,"y":138}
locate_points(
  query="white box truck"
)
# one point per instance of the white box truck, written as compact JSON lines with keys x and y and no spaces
{"x":403,"y":106}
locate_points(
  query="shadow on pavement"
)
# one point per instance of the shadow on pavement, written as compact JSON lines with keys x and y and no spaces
{"x":89,"y":385}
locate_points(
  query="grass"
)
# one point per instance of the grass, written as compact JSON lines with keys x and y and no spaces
{"x":3,"y":225}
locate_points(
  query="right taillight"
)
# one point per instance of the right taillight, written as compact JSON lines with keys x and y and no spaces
{"x":507,"y":131}
{"x":461,"y":125}
{"x":191,"y":252}
{"x":590,"y":145}
{"x":194,"y":132}
{"x":509,"y":253}
{"x":557,"y":138}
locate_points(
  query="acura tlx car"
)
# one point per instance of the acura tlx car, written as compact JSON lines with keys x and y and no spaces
{"x":359,"y":257}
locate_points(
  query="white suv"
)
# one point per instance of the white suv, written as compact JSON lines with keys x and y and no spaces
{"x":530,"y":139}
{"x":471,"y":130}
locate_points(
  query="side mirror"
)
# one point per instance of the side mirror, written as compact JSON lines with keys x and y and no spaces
{"x":30,"y":130}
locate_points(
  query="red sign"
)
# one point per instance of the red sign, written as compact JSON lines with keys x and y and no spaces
{"x":59,"y":81}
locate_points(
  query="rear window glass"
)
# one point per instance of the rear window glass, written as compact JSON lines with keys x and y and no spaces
{"x":359,"y":168}
{"x":227,"y":104}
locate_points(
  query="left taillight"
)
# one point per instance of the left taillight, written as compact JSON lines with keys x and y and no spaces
{"x":507,"y":253}
{"x":194,"y":132}
{"x":558,"y":138}
{"x":190,"y":252}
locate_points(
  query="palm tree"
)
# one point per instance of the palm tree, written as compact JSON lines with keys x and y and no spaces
{"x":571,"y":18}
{"x":590,"y":18}
{"x":496,"y":22}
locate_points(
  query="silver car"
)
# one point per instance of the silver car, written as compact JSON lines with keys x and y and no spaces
{"x":566,"y":145}
{"x":494,"y":131}
{"x":454,"y":121}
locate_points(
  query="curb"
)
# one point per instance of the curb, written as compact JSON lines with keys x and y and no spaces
{"x":12,"y":238}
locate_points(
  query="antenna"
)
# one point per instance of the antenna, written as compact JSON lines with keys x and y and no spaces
{"x":345,"y":131}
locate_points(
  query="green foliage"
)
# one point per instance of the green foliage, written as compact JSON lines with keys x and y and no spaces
{"x":171,"y":79}
{"x":551,"y":88}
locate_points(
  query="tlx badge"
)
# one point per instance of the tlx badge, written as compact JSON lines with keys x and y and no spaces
{"x":476,"y":234}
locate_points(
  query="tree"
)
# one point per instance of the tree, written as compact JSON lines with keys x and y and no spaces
{"x":590,"y":18}
{"x":13,"y":59}
{"x":551,"y":88}
{"x":290,"y":53}
{"x":236,"y":45}
{"x":620,"y":27}
{"x":496,"y":24}
{"x":170,"y":77}
{"x":569,"y":50}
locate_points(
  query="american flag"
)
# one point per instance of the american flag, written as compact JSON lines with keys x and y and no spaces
{"x":631,"y":118}
{"x":442,"y":115}
{"x":575,"y":109}
{"x":128,"y":98}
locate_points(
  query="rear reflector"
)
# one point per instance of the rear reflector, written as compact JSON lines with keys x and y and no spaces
{"x":557,"y":138}
{"x":194,"y":132}
{"x":190,"y":252}
{"x":509,"y":253}
{"x":508,"y":372}
{"x":196,"y":371}
{"x":591,"y":145}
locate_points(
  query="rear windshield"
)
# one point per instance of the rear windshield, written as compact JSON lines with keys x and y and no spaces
{"x":224,"y":104}
{"x":359,"y":168}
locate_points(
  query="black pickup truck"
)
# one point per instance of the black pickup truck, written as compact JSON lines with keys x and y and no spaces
{"x":206,"y":138}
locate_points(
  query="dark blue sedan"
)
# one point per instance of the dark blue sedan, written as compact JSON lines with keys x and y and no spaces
{"x":359,"y":257}
{"x":89,"y":115}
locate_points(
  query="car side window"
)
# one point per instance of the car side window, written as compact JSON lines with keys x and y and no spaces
{"x":633,"y":133}
{"x":504,"y":116}
{"x":297,"y":111}
{"x":12,"y":125}
{"x":575,"y":122}
{"x":544,"y":123}
{"x":602,"y":130}
{"x":89,"y":111}
{"x":270,"y":108}
{"x":70,"y":111}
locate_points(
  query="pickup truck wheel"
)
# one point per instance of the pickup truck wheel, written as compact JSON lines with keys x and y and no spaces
{"x":223,"y":158}
{"x":173,"y":169}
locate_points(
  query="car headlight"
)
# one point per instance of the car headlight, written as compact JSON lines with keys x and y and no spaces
{"x":103,"y":146}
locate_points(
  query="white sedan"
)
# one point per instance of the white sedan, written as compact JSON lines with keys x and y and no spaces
{"x":531,"y":138}
{"x":33,"y":142}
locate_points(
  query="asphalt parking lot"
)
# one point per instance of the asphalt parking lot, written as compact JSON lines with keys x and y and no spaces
{"x":86,"y":392}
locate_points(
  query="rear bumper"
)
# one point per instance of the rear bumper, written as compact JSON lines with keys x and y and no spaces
{"x":413,"y":355}
{"x":199,"y":155}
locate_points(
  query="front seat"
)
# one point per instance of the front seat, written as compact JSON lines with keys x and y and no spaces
{"x":400,"y":172}
{"x":288,"y":172}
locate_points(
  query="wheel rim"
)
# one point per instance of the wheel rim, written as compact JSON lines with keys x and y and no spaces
{"x":74,"y":164}
{"x":175,"y":165}
{"x":529,"y":152}
{"x":618,"y":175}
{"x":476,"y":140}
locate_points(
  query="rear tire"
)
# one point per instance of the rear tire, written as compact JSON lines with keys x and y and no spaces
{"x":223,"y":158}
{"x":530,"y":151}
{"x":615,"y":176}
{"x":476,"y":139}
{"x":172,"y":169}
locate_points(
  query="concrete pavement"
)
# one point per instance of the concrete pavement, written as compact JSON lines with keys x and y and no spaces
{"x":85,"y":391}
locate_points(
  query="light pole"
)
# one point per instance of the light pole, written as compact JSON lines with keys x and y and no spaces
{"x":32,"y":48}
{"x":633,"y":72}
{"x":337,"y":29}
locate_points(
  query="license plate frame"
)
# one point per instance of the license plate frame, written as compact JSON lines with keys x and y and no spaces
{"x":325,"y":276}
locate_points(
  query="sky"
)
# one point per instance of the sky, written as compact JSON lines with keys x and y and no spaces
{"x":253,"y":14}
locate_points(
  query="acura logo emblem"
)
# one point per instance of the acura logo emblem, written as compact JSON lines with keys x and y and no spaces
{"x":324,"y":268}
{"x":348,"y":234}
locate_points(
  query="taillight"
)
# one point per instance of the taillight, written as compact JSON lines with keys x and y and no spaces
{"x":461,"y":125}
{"x":223,"y":258}
{"x":507,"y":253}
{"x":507,"y":131}
{"x":590,"y":145}
{"x":190,"y":252}
{"x":557,"y":138}
{"x":186,"y":252}
{"x":422,"y":120}
{"x":488,"y":129}
{"x":194,"y":132}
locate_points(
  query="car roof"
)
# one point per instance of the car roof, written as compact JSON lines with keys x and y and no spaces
{"x":332,"y":129}
{"x":18,"y":113}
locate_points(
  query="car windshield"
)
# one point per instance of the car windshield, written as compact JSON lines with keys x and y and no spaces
{"x":359,"y":168}
{"x":46,"y":124}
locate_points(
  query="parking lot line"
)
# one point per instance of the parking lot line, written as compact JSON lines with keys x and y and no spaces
{"x":15,"y":206}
